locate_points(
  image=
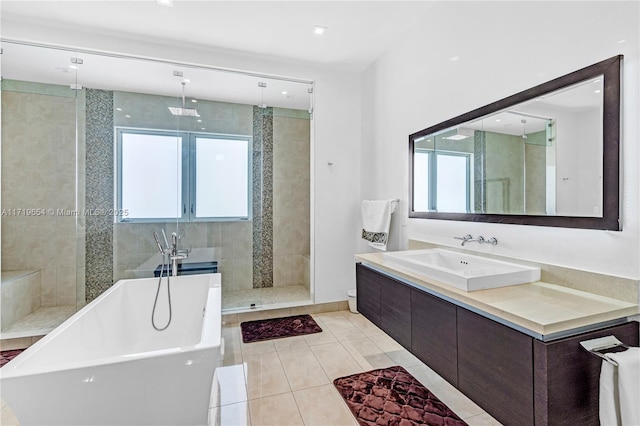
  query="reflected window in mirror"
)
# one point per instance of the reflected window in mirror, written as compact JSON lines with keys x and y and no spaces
{"x":546,"y":156}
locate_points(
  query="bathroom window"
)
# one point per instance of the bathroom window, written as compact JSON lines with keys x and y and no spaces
{"x":163,"y":175}
{"x":441,"y":179}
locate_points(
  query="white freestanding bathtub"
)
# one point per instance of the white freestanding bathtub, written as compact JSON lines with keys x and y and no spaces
{"x":107,"y":365}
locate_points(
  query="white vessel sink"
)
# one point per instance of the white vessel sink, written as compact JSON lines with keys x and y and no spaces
{"x":461,"y":270}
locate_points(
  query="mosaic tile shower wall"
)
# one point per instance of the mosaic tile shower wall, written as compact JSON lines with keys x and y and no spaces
{"x":262,"y":197}
{"x":99,"y":191}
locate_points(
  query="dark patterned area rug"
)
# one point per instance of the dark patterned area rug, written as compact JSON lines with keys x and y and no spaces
{"x":297,"y":325}
{"x":6,"y":356}
{"x":392,"y":396}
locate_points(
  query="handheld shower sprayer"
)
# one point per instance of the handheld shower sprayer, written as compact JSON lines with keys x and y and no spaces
{"x":155,"y":236}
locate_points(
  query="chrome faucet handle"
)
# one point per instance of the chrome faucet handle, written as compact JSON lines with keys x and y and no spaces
{"x":183,"y":253}
{"x":493,"y":241}
{"x":481,"y":239}
{"x":465,"y":239}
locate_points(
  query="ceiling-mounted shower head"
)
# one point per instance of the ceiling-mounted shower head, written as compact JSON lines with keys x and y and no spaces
{"x":184,"y":111}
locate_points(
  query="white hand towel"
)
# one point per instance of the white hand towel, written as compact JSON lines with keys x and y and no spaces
{"x":628,"y":385}
{"x":376,"y":219}
{"x":609,"y":412}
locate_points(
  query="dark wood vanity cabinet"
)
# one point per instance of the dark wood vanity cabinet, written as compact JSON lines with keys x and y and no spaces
{"x":368,"y":293}
{"x":395,"y":315}
{"x":494,"y":368}
{"x":433,"y":334}
{"x":567,"y":378}
{"x":385,"y":302}
{"x":515,"y":378}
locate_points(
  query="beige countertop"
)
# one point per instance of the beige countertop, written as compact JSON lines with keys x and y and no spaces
{"x":545,"y":310}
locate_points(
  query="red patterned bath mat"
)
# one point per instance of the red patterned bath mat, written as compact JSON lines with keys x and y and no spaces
{"x":6,"y":356}
{"x":392,"y":396}
{"x":297,"y":325}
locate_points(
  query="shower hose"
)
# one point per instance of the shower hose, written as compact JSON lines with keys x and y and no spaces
{"x":155,"y":302}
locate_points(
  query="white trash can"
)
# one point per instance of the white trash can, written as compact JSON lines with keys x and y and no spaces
{"x":351,"y":298}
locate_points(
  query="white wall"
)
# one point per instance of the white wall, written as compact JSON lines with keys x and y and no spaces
{"x":503,"y":48}
{"x":336,"y":138}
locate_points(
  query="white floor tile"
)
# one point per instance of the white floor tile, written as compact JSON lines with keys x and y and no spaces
{"x":335,"y":360}
{"x":323,"y":406}
{"x":303,"y":369}
{"x":278,"y":410}
{"x":265,"y":375}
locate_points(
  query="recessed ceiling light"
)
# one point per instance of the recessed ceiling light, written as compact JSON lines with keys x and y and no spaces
{"x":596,"y":91}
{"x":199,"y":121}
{"x":203,"y":128}
{"x":284,"y":92}
{"x":622,"y":41}
{"x":497,"y":120}
{"x":168,"y":3}
{"x":194,"y":101}
{"x":454,"y":58}
{"x":127,"y":116}
{"x":317,"y":29}
{"x":118,"y":109}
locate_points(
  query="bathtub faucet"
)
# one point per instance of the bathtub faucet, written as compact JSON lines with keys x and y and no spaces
{"x":175,"y":254}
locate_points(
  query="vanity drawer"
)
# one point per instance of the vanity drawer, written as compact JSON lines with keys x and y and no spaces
{"x":495,"y":368}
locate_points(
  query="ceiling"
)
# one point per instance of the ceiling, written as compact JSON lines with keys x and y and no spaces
{"x":357,"y":32}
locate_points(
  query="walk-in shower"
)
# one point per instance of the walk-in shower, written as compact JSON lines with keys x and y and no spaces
{"x":221,"y":158}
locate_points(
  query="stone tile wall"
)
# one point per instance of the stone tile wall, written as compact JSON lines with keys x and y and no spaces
{"x":39,"y":172}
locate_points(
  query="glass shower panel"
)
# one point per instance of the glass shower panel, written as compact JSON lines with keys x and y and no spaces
{"x":220,"y":158}
{"x":41,"y":257}
{"x":292,"y":282}
{"x":148,"y":164}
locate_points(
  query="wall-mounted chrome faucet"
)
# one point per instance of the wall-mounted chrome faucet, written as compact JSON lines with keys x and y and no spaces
{"x":465,"y":239}
{"x":481,"y":240}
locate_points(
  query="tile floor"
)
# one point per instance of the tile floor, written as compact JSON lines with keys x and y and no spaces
{"x":289,"y":381}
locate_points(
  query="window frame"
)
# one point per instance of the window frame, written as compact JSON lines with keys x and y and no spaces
{"x":188,"y":158}
{"x":192,"y":200}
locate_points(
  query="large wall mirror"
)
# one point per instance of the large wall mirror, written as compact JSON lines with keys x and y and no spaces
{"x":546,"y":156}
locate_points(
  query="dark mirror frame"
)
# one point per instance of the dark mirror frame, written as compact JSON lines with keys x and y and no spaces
{"x":610,"y":220}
